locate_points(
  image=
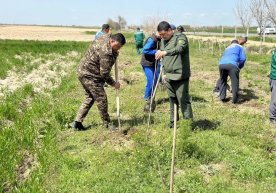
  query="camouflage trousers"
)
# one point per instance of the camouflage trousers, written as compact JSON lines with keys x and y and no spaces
{"x":94,"y":91}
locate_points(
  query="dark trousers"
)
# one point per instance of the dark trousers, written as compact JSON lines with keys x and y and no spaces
{"x":272,"y":106}
{"x":233,"y":71}
{"x":178,"y":92}
{"x":139,"y":47}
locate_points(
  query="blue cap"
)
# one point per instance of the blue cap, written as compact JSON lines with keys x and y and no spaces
{"x":173,"y":27}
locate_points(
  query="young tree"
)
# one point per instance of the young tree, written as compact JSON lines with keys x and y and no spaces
{"x":271,"y":10}
{"x":259,"y":12}
{"x":244,"y":14}
{"x":113,"y":24}
{"x":122,"y":22}
{"x":150,"y":22}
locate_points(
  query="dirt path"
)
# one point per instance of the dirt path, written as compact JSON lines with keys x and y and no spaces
{"x":45,"y":33}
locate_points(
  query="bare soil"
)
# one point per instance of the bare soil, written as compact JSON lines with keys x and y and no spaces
{"x":19,"y":32}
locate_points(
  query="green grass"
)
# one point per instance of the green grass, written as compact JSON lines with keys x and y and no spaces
{"x":18,"y":54}
{"x":226,"y":149}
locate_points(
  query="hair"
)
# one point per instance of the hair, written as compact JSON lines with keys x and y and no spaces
{"x":163,"y":26}
{"x":119,"y":38}
{"x":105,"y":26}
{"x":234,"y":42}
{"x":138,"y":29}
{"x":180,"y":28}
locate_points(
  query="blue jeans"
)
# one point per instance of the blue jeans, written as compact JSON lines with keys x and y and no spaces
{"x":149,"y":72}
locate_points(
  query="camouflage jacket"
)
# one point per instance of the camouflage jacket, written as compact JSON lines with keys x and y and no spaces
{"x":98,"y":61}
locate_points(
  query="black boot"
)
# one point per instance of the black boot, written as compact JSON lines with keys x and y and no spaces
{"x":78,"y":126}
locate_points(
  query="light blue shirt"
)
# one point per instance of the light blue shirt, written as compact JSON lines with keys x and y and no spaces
{"x":99,"y":34}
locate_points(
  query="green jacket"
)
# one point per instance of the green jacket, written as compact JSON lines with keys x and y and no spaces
{"x":177,"y":61}
{"x":139,"y":37}
{"x":273,"y":66}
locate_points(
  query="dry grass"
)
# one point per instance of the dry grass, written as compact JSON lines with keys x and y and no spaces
{"x":45,"y":33}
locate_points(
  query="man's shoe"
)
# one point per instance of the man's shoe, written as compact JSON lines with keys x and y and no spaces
{"x":147,"y":106}
{"x":273,"y":121}
{"x":171,"y":124}
{"x":110,"y":126}
{"x":78,"y":126}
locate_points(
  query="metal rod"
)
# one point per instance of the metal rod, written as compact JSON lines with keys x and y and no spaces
{"x":173,"y":149}
{"x":117,"y":95}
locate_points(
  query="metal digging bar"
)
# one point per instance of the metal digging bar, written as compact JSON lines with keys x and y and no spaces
{"x":153,"y":96}
{"x":173,"y":149}
{"x":117,"y":95}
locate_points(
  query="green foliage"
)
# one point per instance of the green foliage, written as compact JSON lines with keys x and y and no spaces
{"x":91,"y":32}
{"x":225,"y":149}
{"x":16,"y":52}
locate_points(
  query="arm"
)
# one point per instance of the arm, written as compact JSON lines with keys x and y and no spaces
{"x":148,"y":47}
{"x":106,"y":61}
{"x":242,"y":58}
{"x":181,"y":44}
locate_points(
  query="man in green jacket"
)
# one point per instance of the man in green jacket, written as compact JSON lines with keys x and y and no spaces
{"x":174,"y":51}
{"x":272,"y":81}
{"x":139,"y":37}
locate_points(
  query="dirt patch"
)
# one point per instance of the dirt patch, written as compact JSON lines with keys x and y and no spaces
{"x":208,"y":76}
{"x":45,"y":33}
{"x":118,"y":140}
{"x":211,"y":170}
{"x":27,"y":165}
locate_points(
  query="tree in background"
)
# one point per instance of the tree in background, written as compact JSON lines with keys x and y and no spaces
{"x":244,"y":14}
{"x":271,"y":10}
{"x":259,"y":12}
{"x":122,"y":22}
{"x":117,"y":25}
{"x":150,"y":23}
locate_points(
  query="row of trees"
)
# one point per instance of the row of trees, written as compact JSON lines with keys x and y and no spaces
{"x":117,"y":25}
{"x":263,"y":12}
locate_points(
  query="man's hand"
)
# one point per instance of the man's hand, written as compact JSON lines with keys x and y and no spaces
{"x":159,"y":54}
{"x":117,"y":85}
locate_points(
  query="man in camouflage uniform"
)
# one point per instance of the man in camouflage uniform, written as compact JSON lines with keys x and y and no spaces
{"x":174,"y":51}
{"x":94,"y":72}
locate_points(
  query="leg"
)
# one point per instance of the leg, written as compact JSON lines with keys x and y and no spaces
{"x":234,"y":73}
{"x":173,"y":100}
{"x":217,"y":87}
{"x":272,"y":107}
{"x":87,"y":103}
{"x":183,"y":97}
{"x":137,"y":48}
{"x":149,"y":72}
{"x":223,"y":79}
{"x":96,"y":90}
{"x":102,"y":103}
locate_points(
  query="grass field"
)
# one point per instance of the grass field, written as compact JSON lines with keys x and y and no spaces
{"x":226,"y":148}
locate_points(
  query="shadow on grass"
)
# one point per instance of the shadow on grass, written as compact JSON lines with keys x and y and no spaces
{"x":136,"y":120}
{"x":198,"y":99}
{"x":246,"y":95}
{"x":162,"y":101}
{"x":205,"y":125}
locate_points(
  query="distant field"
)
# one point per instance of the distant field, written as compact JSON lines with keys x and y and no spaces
{"x":45,"y":33}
